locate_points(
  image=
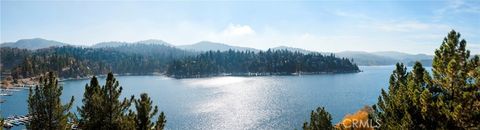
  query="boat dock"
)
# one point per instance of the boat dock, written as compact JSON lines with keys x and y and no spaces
{"x":16,"y":120}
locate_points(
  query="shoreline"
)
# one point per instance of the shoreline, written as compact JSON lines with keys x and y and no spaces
{"x":21,"y":83}
{"x":33,"y":81}
{"x":105,"y":75}
{"x":259,"y":74}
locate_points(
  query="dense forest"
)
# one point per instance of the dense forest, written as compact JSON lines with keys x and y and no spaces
{"x":73,"y":62}
{"x":277,"y":62}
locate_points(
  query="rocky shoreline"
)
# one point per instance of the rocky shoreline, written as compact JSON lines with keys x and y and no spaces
{"x":16,"y":83}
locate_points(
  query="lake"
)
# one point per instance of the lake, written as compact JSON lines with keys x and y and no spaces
{"x":268,"y":102}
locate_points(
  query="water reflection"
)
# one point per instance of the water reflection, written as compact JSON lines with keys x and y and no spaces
{"x":235,"y":102}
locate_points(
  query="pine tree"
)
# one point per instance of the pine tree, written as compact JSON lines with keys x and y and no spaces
{"x":449,"y":100}
{"x":457,"y":77}
{"x":161,"y":121}
{"x":319,"y":120}
{"x":144,"y":112}
{"x":90,"y":113}
{"x":45,"y":106}
{"x":417,"y":96}
{"x":1,"y":122}
{"x":115,"y":111}
{"x":102,"y":108}
{"x":391,"y":104}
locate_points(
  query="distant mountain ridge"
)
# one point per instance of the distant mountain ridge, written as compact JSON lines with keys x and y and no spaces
{"x":109,"y":44}
{"x":403,"y":56}
{"x":406,"y":58}
{"x":372,"y":58}
{"x":365,"y":58}
{"x":207,"y":46}
{"x":117,"y":43}
{"x":33,"y":44}
{"x":359,"y":57}
{"x":293,"y":49}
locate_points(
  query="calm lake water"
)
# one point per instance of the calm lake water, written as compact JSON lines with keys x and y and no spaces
{"x":269,"y":102}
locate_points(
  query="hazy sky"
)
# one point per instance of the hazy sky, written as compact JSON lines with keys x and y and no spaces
{"x":327,"y":26}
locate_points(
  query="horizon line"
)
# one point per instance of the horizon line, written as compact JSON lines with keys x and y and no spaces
{"x":177,"y":45}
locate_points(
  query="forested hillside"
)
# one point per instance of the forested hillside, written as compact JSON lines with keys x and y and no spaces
{"x":11,"y":57}
{"x":73,"y":62}
{"x":33,"y":44}
{"x":278,"y":62}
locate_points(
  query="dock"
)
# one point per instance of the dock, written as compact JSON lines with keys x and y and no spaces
{"x":16,"y":120}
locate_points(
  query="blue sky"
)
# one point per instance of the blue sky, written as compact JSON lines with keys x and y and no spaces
{"x":327,"y":26}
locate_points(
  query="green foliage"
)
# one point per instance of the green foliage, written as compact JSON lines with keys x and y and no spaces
{"x":456,"y":74}
{"x":45,"y":106}
{"x":277,"y":62}
{"x":161,"y":121}
{"x":1,"y":122}
{"x":144,"y":112}
{"x":73,"y":62}
{"x":400,"y":107}
{"x":115,"y":110}
{"x":449,"y":100}
{"x":92,"y":106}
{"x":11,"y":57}
{"x":102,"y":108}
{"x":319,"y":120}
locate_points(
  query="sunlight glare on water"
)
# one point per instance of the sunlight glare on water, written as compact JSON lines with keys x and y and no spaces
{"x":238,"y":102}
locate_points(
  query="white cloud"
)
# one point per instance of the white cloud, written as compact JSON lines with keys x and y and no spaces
{"x":238,"y":30}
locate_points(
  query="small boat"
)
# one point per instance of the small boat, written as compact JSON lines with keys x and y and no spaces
{"x":13,"y":90}
{"x":7,"y":125}
{"x":5,"y":94}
